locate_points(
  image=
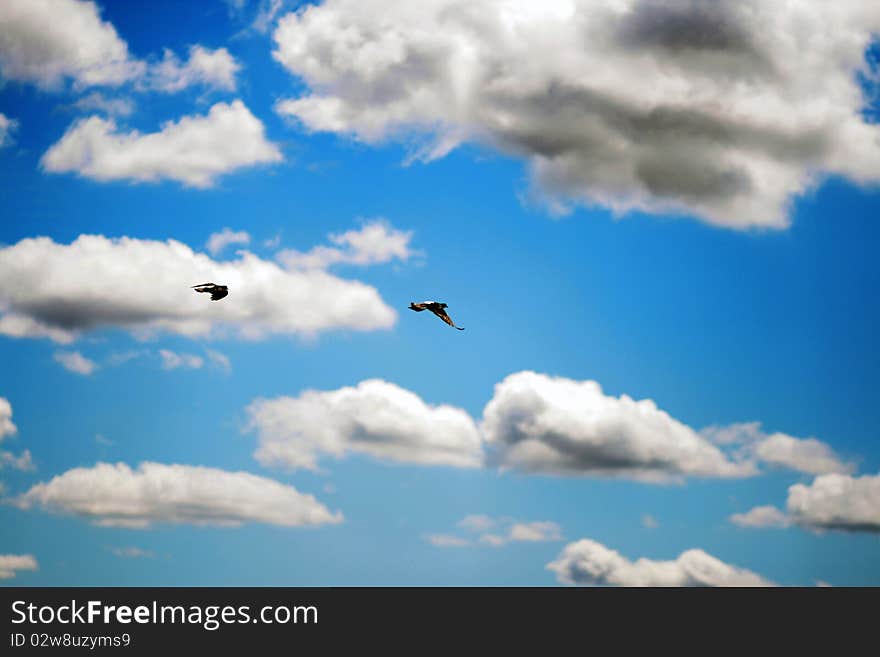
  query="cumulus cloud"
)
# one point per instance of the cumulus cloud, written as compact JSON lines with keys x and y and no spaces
{"x":115,"y":495}
{"x":375,"y":417}
{"x":47,"y":42}
{"x":194,"y":150}
{"x":807,"y":455}
{"x":12,"y":564}
{"x":7,"y":126}
{"x":172,"y":360}
{"x":74,"y":361}
{"x":534,"y":423}
{"x":554,"y":425}
{"x":837,"y":501}
{"x":61,"y":290}
{"x":376,"y":242}
{"x":97,"y":101}
{"x":210,"y":68}
{"x":587,"y":562}
{"x":217,"y":242}
{"x":761,"y":516}
{"x":730,"y":127}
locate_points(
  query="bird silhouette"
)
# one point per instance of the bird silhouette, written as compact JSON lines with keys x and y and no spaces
{"x":217,"y":292}
{"x":437,"y":308}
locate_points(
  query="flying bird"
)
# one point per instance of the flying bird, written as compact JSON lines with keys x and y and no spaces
{"x":217,"y":292}
{"x":437,"y":308}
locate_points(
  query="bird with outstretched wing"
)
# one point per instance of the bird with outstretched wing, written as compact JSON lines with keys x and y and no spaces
{"x":437,"y":308}
{"x":217,"y":292}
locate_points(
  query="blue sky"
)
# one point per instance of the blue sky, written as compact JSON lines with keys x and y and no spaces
{"x":723,"y":304}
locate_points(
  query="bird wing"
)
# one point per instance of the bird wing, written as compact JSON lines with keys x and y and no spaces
{"x":218,"y":294}
{"x":446,"y":318}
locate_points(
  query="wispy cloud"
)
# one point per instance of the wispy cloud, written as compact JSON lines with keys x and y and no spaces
{"x":74,"y":361}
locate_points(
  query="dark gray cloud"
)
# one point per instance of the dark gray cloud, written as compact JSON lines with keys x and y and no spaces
{"x":703,"y":107}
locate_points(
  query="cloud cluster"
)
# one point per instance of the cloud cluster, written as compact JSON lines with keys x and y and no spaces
{"x":376,"y":242}
{"x":12,"y":564}
{"x":375,"y":418}
{"x":49,"y":41}
{"x":74,"y":361}
{"x":533,"y":423}
{"x":705,"y":107}
{"x":115,"y":495}
{"x":194,"y":150}
{"x":554,"y":425}
{"x":61,"y":290}
{"x":587,"y":562}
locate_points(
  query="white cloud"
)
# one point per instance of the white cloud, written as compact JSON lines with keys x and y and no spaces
{"x":103,"y":440}
{"x":807,"y":455}
{"x":49,"y":41}
{"x":554,"y":425}
{"x":59,"y":291}
{"x":210,"y":68}
{"x":219,"y":360}
{"x":376,"y":242}
{"x":699,"y":106}
{"x":7,"y":126}
{"x":172,"y":360}
{"x":7,"y":427}
{"x":761,"y":516}
{"x":194,"y":150}
{"x":131,"y":553}
{"x":217,"y":242}
{"x":114,"y":495}
{"x":74,"y":361}
{"x":11,"y":564}
{"x":375,"y":418}
{"x":587,"y":562}
{"x":446,"y":540}
{"x":99,"y":102}
{"x":837,"y":501}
